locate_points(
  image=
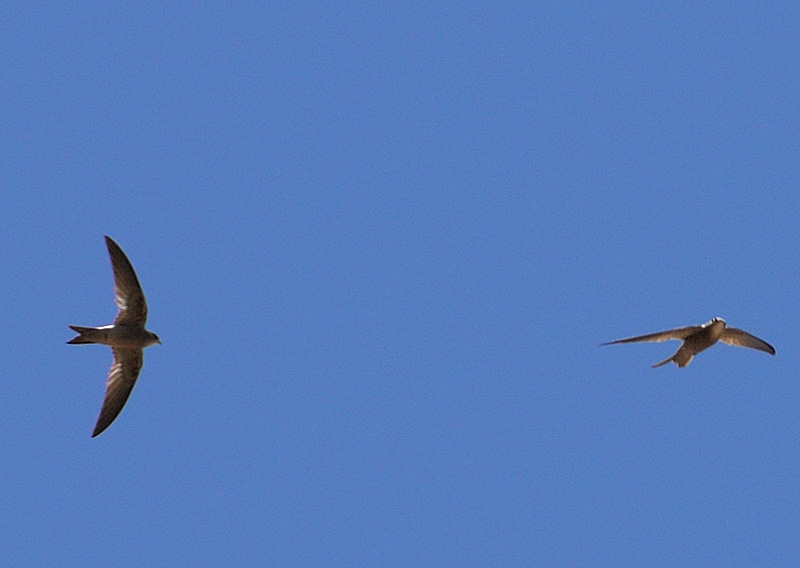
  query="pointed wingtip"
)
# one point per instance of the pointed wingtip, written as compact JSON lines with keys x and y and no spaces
{"x":111,"y":243}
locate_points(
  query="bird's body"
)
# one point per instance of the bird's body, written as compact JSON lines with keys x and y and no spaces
{"x":113,"y":335}
{"x":127,"y":337}
{"x":697,"y":338}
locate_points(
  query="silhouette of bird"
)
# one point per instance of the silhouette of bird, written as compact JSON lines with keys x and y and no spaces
{"x":127,"y":337}
{"x":697,"y":338}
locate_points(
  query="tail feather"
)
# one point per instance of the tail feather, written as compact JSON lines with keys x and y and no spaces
{"x":681,"y":359}
{"x":86,"y":335}
{"x":664,"y":362}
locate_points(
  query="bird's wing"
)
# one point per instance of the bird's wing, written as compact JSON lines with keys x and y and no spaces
{"x":121,"y":379}
{"x":127,"y":290}
{"x":734,"y":336}
{"x":677,"y":333}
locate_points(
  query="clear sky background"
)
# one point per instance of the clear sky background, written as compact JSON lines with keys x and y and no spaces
{"x":381,"y":245}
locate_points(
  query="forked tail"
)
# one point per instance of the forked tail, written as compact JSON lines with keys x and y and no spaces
{"x":86,"y":335}
{"x":681,"y":359}
{"x":664,"y":362}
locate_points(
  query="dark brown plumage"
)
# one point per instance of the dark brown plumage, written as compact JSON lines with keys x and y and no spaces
{"x":127,"y":337}
{"x":697,"y":338}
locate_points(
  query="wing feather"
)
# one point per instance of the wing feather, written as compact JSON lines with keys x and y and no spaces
{"x":740,"y":338}
{"x":677,"y":333}
{"x":127,"y":290}
{"x":121,"y":379}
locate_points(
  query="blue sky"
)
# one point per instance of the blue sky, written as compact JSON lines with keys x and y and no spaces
{"x":381,"y":246}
